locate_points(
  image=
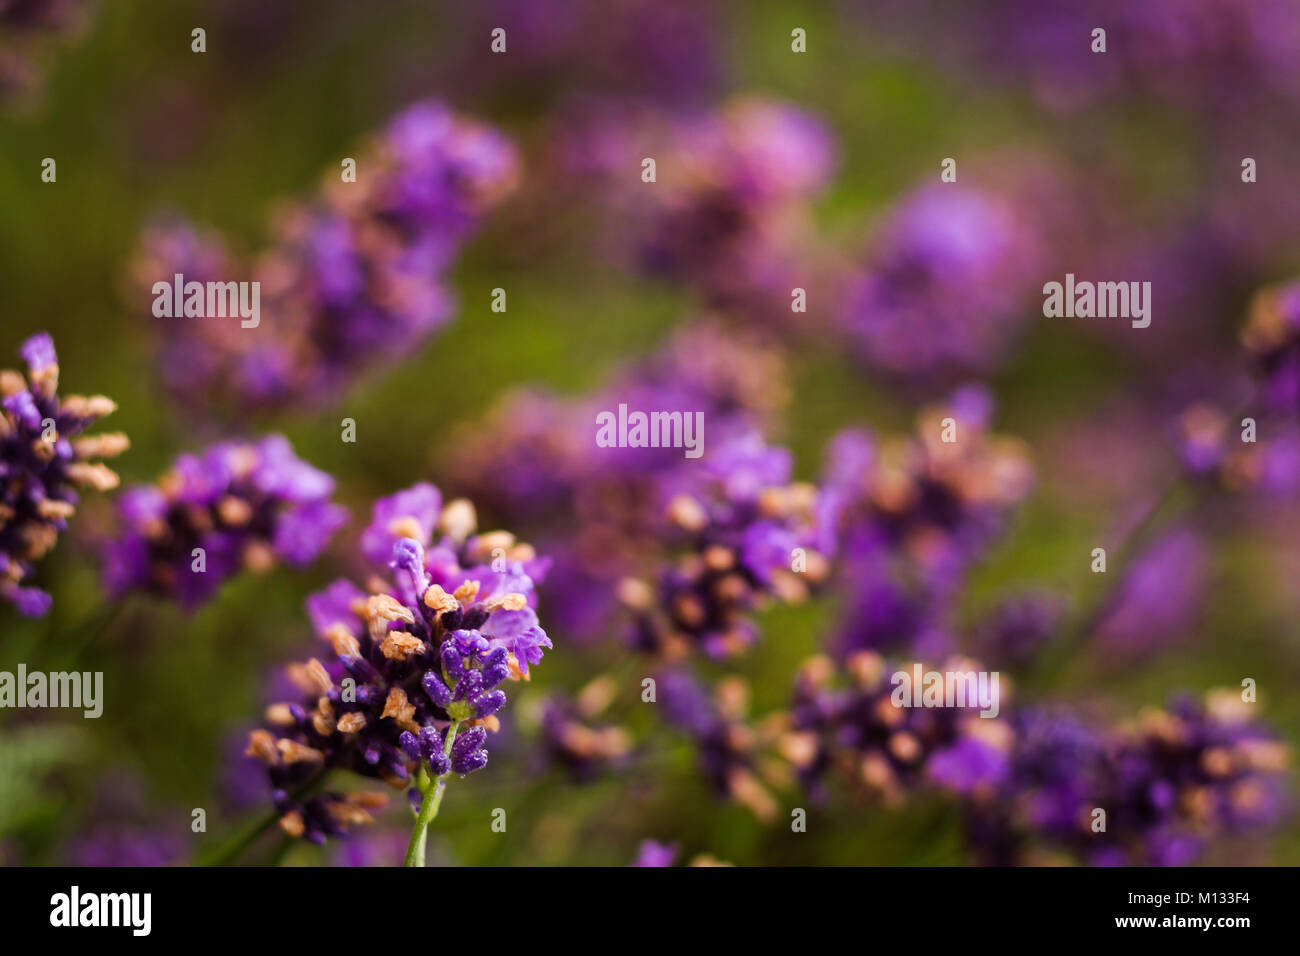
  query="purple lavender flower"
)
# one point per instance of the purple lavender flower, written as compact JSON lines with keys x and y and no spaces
{"x":652,"y":853}
{"x":728,"y":747}
{"x":1214,"y":454}
{"x":1169,"y":783}
{"x":948,"y":285}
{"x":728,"y":212}
{"x":573,"y":741}
{"x":911,"y":516}
{"x":354,"y":277}
{"x":241,"y":784}
{"x":1272,"y":338}
{"x":600,"y":510}
{"x":749,"y":534}
{"x":851,"y":727}
{"x":1051,"y":785}
{"x":412,"y":684}
{"x":536,"y":450}
{"x":42,"y":465}
{"x":1193,"y":771}
{"x":412,"y":513}
{"x":1202,"y":440}
{"x":236,"y":506}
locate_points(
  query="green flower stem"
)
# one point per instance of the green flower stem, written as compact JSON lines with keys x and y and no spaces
{"x":431,"y":790}
{"x":1175,"y":500}
{"x":226,"y":854}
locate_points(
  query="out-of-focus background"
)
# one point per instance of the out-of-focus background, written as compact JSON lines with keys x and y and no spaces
{"x":1123,"y":165}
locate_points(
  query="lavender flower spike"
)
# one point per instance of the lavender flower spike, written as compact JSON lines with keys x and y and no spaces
{"x":235,"y":506}
{"x":751,"y":537}
{"x":355,"y":273}
{"x":42,"y":466}
{"x":411,"y":685}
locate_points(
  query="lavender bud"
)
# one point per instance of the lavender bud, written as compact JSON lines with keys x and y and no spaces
{"x":436,"y":689}
{"x":469,"y":642}
{"x":470,"y":762}
{"x":430,"y":741}
{"x":488,"y":703}
{"x":469,"y":740}
{"x":470,"y":685}
{"x":452,"y":665}
{"x":410,"y":744}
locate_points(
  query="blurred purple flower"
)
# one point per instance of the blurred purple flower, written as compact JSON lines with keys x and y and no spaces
{"x":1186,"y":52}
{"x":1272,"y":338}
{"x":573,"y":741}
{"x":728,"y":213}
{"x":535,"y":462}
{"x":912,"y":514}
{"x":243,"y":504}
{"x":1018,"y":627}
{"x":843,"y":722}
{"x":728,"y":748}
{"x":749,"y":536}
{"x":952,"y":278}
{"x":354,"y":277}
{"x":652,"y":853}
{"x":1169,"y":783}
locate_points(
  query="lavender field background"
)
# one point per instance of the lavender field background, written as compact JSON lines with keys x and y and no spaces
{"x":775,"y":170}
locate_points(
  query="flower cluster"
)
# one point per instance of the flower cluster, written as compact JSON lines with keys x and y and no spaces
{"x":1272,"y":338}
{"x":600,"y":510}
{"x":412,"y":678}
{"x":749,"y":535}
{"x":42,"y":465}
{"x":736,"y":758}
{"x":353,"y":277}
{"x":237,"y":505}
{"x":844,"y":722}
{"x":1245,"y":455}
{"x":1167,"y":783}
{"x":728,"y":222}
{"x":572,"y":740}
{"x":912,"y":514}
{"x":728,"y":212}
{"x":947,"y":285}
{"x":537,"y":452}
